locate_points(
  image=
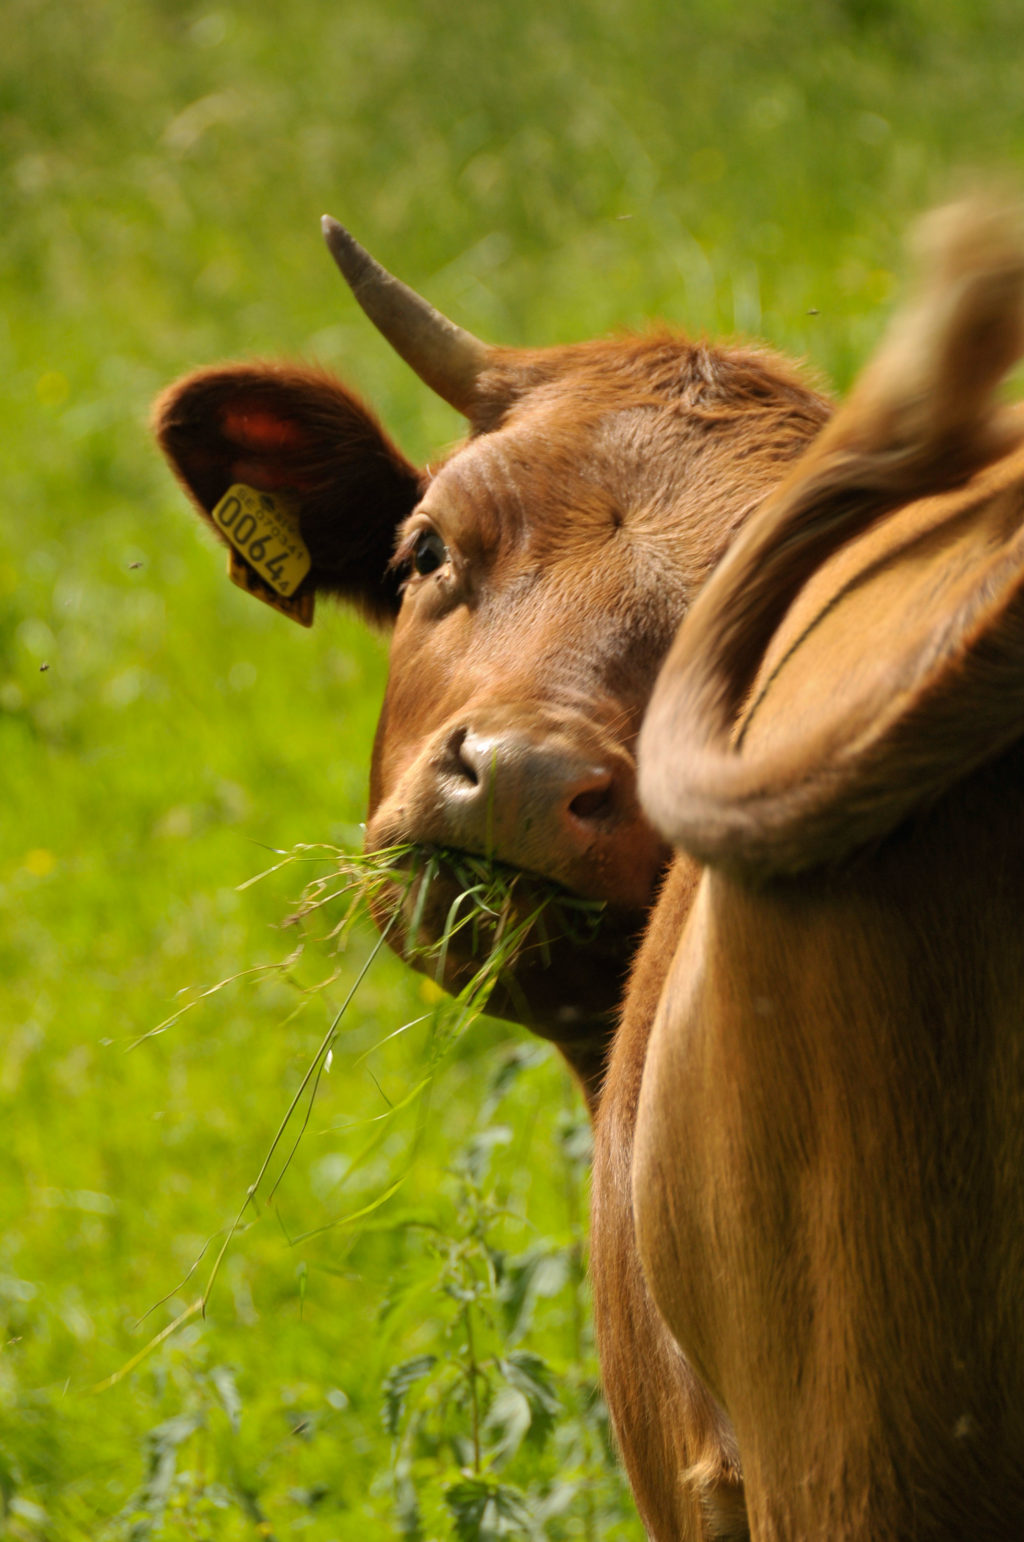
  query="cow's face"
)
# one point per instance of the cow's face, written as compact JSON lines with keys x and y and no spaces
{"x":534,"y":584}
{"x":531,"y":624}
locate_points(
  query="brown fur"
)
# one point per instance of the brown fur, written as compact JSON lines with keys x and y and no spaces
{"x":676,"y":1445}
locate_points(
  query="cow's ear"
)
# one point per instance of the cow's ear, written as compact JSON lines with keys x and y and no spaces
{"x":297,"y":435}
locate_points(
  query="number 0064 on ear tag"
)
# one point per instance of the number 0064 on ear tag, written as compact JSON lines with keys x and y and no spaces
{"x":263,"y":529}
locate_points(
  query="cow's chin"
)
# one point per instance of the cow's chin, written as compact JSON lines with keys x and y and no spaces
{"x":548,"y":960}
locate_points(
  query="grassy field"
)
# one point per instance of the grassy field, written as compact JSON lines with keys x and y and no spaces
{"x":544,"y":173}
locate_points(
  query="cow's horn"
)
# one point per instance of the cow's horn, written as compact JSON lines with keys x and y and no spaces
{"x":448,"y":359}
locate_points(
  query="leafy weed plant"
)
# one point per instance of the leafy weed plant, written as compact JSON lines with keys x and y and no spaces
{"x":490,"y":1437}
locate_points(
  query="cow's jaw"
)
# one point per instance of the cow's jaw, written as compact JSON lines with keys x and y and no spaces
{"x":570,"y":963}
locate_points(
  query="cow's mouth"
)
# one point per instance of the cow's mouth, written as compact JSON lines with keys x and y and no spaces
{"x":540,"y":955}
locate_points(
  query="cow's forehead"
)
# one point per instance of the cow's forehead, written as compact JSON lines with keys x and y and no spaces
{"x":551,"y":469}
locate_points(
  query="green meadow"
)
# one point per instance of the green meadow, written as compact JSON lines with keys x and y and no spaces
{"x":396,"y":1340}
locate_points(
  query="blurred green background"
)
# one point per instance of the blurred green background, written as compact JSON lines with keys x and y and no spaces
{"x":544,"y":172}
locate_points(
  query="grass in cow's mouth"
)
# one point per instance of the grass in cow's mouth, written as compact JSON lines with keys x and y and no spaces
{"x":494,"y":912}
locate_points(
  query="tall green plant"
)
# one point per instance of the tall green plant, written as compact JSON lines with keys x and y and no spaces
{"x":497,"y":1424}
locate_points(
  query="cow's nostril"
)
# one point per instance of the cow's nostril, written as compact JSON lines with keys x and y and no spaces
{"x":467,"y":770}
{"x":593,"y":802}
{"x":461,"y":758}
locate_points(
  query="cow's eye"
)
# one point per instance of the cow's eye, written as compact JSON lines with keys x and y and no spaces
{"x":428,"y":553}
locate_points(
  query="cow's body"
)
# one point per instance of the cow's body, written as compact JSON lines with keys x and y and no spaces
{"x":808,"y":1191}
{"x":842,"y":1130}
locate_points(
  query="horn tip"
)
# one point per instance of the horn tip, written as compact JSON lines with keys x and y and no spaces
{"x":334,"y":233}
{"x":354,"y":262}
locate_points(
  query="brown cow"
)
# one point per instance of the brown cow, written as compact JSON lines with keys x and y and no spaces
{"x":536,"y":582}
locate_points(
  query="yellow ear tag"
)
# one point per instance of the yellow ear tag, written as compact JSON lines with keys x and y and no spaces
{"x":269,"y":559}
{"x":264,"y":529}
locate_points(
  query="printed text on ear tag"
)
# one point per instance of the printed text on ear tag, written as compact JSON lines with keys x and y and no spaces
{"x":264,"y":530}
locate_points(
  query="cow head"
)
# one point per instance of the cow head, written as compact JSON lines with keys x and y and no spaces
{"x":533,"y":583}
